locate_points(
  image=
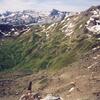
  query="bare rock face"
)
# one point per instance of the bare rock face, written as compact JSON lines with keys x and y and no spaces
{"x":51,"y":97}
{"x":94,"y":8}
{"x":93,"y":24}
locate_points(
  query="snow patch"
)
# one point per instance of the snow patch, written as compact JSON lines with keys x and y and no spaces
{"x":68,"y":19}
{"x":98,"y":47}
{"x":16,"y":33}
{"x":80,"y":26}
{"x":96,"y":57}
{"x":71,"y":89}
{"x":93,"y":24}
{"x":92,"y":65}
{"x":64,"y":26}
{"x":52,"y":25}
{"x":94,"y":29}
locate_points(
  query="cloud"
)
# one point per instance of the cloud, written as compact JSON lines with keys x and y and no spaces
{"x":15,"y":5}
{"x":46,"y":4}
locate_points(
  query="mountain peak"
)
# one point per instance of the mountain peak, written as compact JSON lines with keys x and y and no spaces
{"x":54,"y":12}
{"x":94,"y":8}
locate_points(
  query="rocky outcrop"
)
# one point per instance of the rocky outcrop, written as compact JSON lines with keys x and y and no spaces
{"x":93,"y":24}
{"x":51,"y":97}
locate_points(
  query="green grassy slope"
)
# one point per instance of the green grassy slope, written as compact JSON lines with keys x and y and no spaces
{"x":34,"y":51}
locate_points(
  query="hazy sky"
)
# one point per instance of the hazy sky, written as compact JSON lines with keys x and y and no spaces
{"x":71,"y":5}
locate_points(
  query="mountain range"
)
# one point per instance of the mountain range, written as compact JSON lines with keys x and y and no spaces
{"x":17,"y":22}
{"x":28,"y":17}
{"x":61,"y":55}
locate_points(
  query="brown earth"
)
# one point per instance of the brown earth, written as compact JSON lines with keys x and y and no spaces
{"x":79,"y":81}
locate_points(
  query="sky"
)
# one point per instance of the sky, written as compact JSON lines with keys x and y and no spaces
{"x":66,"y":5}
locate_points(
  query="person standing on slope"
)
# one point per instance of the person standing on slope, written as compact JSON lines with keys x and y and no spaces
{"x":29,"y":95}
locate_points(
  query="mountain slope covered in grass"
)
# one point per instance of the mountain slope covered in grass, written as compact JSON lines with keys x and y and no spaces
{"x":62,"y":58}
{"x":53,"y":46}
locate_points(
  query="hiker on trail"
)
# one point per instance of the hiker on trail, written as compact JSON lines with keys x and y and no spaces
{"x":35,"y":96}
{"x":29,"y":95}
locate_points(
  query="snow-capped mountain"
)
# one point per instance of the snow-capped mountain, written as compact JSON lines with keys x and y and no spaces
{"x":28,"y":17}
{"x":14,"y":23}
